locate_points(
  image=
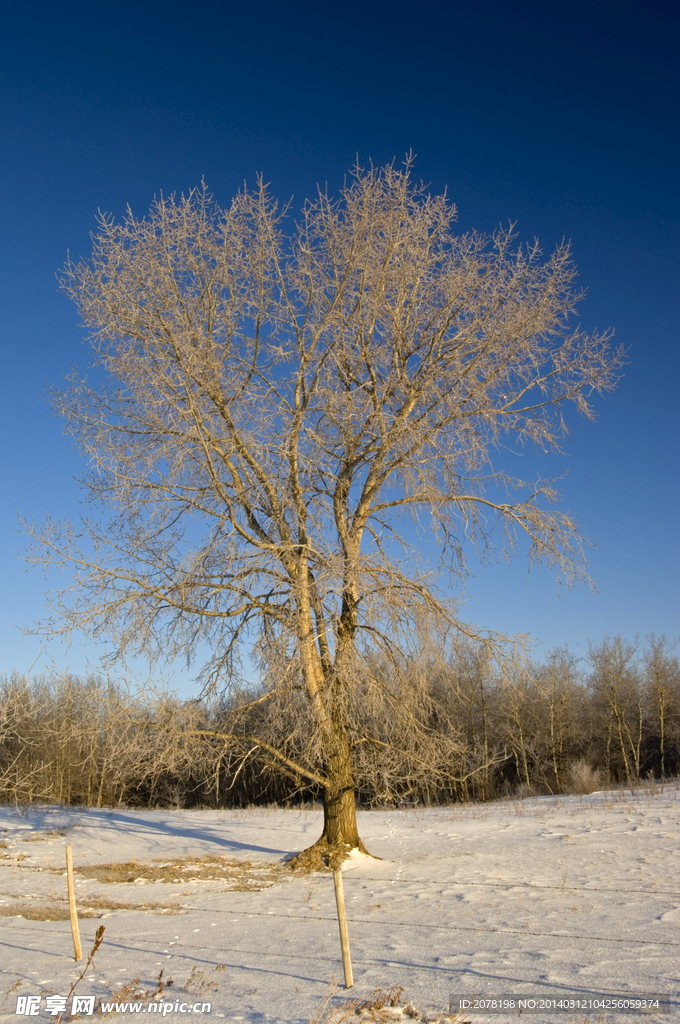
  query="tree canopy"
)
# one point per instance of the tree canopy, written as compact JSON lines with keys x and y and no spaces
{"x":279,"y":397}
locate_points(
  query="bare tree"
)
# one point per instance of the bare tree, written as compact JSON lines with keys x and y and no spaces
{"x":662,"y":683}
{"x":517,"y":706}
{"x":268,"y":410}
{"x":66,"y":739}
{"x":557,"y":692}
{"x":617,"y":687}
{"x":467,"y":682}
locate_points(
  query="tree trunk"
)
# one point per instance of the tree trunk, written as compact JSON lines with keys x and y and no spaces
{"x":486,"y":794}
{"x":339,"y":819}
{"x":340,"y":833}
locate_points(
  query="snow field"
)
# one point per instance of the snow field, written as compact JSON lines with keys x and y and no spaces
{"x":566,"y":896}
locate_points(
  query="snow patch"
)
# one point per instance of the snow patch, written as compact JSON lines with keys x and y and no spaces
{"x":356,"y":859}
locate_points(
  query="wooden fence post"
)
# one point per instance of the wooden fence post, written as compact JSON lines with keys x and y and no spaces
{"x":342,"y":922}
{"x":72,"y":906}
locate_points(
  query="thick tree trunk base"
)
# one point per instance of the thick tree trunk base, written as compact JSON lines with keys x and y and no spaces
{"x":324,"y":856}
{"x":339,"y":837}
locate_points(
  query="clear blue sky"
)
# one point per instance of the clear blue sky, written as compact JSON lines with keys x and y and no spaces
{"x":561,"y":117}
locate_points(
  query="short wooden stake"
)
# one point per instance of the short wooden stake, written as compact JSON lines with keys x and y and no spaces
{"x":342,"y":922}
{"x":72,"y":906}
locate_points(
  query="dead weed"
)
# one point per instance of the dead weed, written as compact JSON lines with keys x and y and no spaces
{"x":203,"y":980}
{"x":38,"y":837}
{"x":12,"y":990}
{"x":385,"y":1006}
{"x":132,"y":991}
{"x":200,"y":982}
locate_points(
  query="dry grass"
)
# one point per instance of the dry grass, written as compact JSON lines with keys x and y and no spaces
{"x":132,"y":991}
{"x":40,"y":911}
{"x":39,"y":837}
{"x":385,"y":1006}
{"x":203,"y":980}
{"x":200,"y":982}
{"x":9,"y":992}
{"x":239,"y":876}
{"x":57,"y":910}
{"x":318,"y":858}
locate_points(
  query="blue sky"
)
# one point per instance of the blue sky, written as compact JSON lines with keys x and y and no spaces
{"x":560,"y":117}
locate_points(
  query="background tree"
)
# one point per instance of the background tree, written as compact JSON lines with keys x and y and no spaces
{"x":662,"y":685}
{"x":558,"y":694}
{"x":274,"y":408}
{"x":467,"y":683}
{"x":617,"y":688}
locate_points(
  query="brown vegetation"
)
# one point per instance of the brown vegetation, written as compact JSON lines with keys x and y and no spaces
{"x":385,"y":1006}
{"x":557,"y":726}
{"x":242,"y":876}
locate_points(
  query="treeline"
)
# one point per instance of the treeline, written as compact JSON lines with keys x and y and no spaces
{"x":482,"y":728}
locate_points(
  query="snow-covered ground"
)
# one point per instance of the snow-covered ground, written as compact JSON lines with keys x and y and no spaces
{"x":567,"y":896}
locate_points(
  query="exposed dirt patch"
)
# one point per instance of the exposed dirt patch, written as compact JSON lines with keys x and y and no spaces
{"x":236,"y":875}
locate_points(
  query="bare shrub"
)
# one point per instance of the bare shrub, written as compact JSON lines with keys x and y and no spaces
{"x":583,"y":778}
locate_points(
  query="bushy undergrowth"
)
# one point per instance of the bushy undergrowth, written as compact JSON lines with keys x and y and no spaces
{"x":484,"y":730}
